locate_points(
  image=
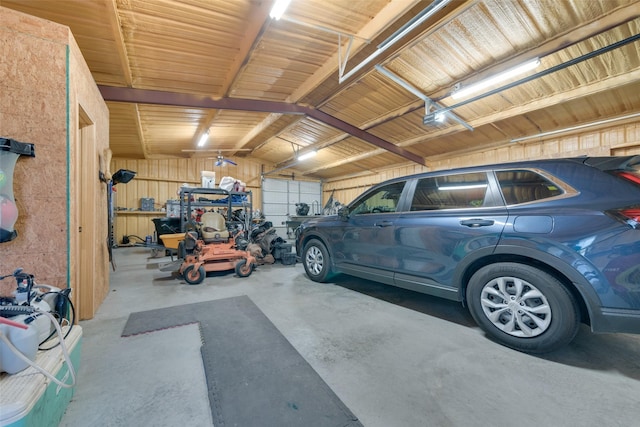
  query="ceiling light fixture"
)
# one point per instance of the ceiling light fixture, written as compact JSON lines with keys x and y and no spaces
{"x":203,"y":139}
{"x":307,"y":155}
{"x":435,"y":117}
{"x":500,"y":77}
{"x":278,"y":9}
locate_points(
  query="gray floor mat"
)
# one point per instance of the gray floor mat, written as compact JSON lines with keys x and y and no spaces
{"x":254,"y":375}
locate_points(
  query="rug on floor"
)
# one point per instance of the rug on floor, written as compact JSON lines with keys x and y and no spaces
{"x":255,"y":377}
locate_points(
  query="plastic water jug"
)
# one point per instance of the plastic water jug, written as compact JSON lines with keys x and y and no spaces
{"x":25,"y":340}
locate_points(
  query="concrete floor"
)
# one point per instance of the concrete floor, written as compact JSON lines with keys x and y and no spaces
{"x":394,"y":357}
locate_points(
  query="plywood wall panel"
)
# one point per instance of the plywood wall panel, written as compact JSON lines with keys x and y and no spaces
{"x":42,"y":69}
{"x":31,"y":113}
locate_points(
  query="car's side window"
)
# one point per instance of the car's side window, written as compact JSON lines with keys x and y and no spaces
{"x":523,"y":186}
{"x":384,"y":199}
{"x":451,"y":192}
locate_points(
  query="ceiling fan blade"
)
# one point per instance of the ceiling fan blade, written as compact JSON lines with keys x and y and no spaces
{"x":219,"y":163}
{"x":231,"y":162}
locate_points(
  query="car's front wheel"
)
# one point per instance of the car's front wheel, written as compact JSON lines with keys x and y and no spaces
{"x":523,"y":307}
{"x":316,"y":261}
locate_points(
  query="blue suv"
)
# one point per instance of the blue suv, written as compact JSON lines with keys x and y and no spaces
{"x":532,"y":248}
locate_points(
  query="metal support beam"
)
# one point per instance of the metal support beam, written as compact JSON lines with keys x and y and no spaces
{"x":145,"y":96}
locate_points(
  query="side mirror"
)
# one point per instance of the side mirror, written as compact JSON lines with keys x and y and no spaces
{"x":343,"y":213}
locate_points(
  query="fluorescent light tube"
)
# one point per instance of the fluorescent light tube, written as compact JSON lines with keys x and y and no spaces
{"x":505,"y":75}
{"x":306,"y":156}
{"x":203,"y":139}
{"x":278,"y":9}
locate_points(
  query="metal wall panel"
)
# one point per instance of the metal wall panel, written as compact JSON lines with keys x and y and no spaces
{"x":279,"y":198}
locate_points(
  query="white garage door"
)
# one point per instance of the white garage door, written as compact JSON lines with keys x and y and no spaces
{"x":279,"y":198}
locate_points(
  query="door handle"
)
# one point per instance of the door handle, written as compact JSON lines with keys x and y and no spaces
{"x":383,"y":224}
{"x":477,"y":222}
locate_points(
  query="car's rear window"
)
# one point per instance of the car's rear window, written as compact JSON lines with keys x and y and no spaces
{"x":524,"y":186}
{"x":451,"y":192}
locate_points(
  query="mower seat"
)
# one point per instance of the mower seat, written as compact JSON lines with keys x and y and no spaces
{"x":214,"y":228}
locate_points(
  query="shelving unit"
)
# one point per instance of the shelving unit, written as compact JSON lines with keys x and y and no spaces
{"x":212,"y":198}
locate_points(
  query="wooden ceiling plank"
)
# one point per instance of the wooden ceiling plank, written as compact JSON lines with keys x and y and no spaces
{"x":256,"y":23}
{"x":256,"y":130}
{"x":391,"y":12}
{"x":283,"y":130}
{"x":569,"y":38}
{"x":359,"y":157}
{"x":114,"y":22}
{"x":549,"y":101}
{"x":442,"y":17}
{"x":579,"y":92}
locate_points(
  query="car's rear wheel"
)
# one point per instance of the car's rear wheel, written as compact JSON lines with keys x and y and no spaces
{"x":523,"y":307}
{"x":316,"y":261}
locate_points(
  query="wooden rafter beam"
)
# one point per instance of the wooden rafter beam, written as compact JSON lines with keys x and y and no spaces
{"x":256,"y":23}
{"x":116,"y":29}
{"x":389,"y":13}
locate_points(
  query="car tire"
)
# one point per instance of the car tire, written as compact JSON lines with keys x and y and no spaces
{"x":523,"y":307}
{"x":316,"y":261}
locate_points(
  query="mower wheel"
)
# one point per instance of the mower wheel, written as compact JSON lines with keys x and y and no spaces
{"x":243,"y":269}
{"x":193,"y":276}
